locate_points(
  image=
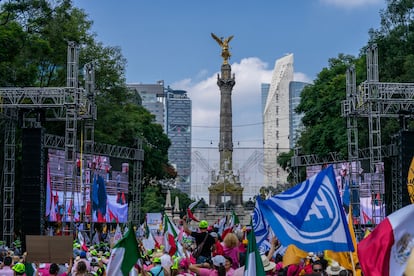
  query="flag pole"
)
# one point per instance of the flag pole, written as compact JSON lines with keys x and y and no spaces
{"x":352,"y":262}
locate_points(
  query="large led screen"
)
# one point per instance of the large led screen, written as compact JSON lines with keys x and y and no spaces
{"x":100,"y":189}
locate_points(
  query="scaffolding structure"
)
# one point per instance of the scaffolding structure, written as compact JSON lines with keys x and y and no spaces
{"x":375,"y":100}
{"x":30,"y":106}
{"x":372,"y":100}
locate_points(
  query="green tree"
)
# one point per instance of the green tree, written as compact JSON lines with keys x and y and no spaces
{"x":325,"y":129}
{"x":48,"y":27}
{"x":34,"y":37}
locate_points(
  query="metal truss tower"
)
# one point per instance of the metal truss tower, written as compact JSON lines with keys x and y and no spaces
{"x":375,"y":100}
{"x":70,"y":104}
{"x":372,"y":100}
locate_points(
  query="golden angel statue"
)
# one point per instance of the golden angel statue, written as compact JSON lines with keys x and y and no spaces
{"x":224,"y":44}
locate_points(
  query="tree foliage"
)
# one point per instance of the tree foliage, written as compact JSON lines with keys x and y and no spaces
{"x":325,"y":129}
{"x":34,"y":36}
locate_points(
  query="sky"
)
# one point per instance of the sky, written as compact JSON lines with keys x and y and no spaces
{"x":171,"y":41}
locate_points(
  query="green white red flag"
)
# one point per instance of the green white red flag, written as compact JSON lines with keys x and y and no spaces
{"x":234,"y":220}
{"x":254,"y":265}
{"x":124,"y":255}
{"x":170,"y":235}
{"x":191,"y":208}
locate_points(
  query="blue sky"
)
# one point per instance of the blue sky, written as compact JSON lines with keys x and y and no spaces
{"x":171,"y":41}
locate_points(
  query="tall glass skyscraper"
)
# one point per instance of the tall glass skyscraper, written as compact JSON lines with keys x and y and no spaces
{"x":295,"y":119}
{"x":178,"y":129}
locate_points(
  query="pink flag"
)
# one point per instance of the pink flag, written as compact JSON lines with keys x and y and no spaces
{"x":386,"y":250}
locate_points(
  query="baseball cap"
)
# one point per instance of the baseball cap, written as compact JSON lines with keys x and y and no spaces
{"x":19,"y":268}
{"x":218,"y":260}
{"x":203,"y":224}
{"x":157,"y":260}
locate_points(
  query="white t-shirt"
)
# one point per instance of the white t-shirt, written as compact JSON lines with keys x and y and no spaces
{"x":166,"y":261}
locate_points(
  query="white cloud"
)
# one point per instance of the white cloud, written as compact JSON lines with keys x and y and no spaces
{"x":352,"y":3}
{"x":250,"y":73}
{"x":298,"y":76}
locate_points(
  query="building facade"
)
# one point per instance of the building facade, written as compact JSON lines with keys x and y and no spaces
{"x":295,"y":119}
{"x":178,"y":128}
{"x":152,"y":96}
{"x":276,"y":121}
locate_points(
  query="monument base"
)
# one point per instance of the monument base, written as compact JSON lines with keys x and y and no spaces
{"x":226,"y":184}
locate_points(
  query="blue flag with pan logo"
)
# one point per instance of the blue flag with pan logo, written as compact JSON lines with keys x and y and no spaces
{"x":260,"y":226}
{"x":309,"y":215}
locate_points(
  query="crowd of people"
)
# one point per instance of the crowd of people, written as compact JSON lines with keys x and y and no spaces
{"x":210,"y":253}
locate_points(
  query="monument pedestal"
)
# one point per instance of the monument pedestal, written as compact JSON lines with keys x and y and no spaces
{"x":224,"y":185}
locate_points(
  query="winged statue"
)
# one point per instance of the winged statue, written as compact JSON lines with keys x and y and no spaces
{"x":224,"y":44}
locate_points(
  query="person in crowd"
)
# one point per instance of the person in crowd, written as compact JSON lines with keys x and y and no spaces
{"x":81,"y":257}
{"x":307,"y":264}
{"x":201,"y":237}
{"x":317,"y":267}
{"x":81,"y":269}
{"x":242,"y":246}
{"x":215,"y":268}
{"x":19,"y":269}
{"x":217,"y":247}
{"x":166,"y":262}
{"x":228,"y":265}
{"x":7,"y":270}
{"x":101,"y":271}
{"x":157,"y":269}
{"x":279,"y":262}
{"x":334,"y":268}
{"x":183,"y":268}
{"x":293,"y":269}
{"x":268,"y":266}
{"x":345,"y":272}
{"x":231,"y":248}
{"x":97,"y":266}
{"x":54,"y":269}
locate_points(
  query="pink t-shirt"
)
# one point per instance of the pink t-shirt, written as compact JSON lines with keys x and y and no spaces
{"x":43,"y":270}
{"x":207,"y":272}
{"x":230,"y":272}
{"x":6,"y":271}
{"x":233,"y":253}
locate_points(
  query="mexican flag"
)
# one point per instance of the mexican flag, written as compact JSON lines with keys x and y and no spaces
{"x":124,"y":255}
{"x":254,"y":265}
{"x":234,"y":220}
{"x":386,"y":250}
{"x":191,"y":209}
{"x":170,"y":234}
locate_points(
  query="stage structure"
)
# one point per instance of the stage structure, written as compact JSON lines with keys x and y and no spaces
{"x":372,"y":100}
{"x":28,"y":108}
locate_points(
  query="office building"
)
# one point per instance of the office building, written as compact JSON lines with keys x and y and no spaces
{"x":152,"y":96}
{"x":178,"y":129}
{"x":295,"y":119}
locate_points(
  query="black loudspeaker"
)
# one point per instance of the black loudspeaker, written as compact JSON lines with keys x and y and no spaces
{"x":33,"y":177}
{"x":406,"y":155}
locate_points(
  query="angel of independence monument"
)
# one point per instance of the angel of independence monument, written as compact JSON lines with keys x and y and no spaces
{"x":225,"y":184}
